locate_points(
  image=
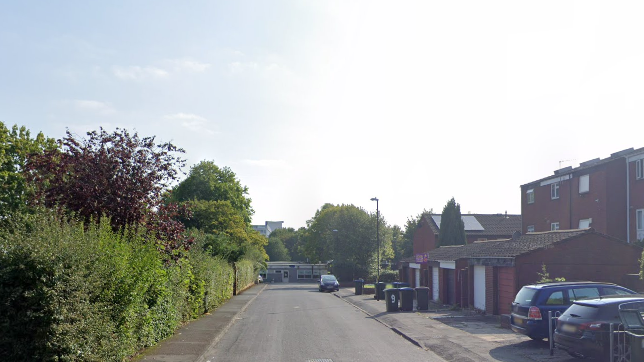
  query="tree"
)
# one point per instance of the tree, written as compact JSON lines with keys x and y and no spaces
{"x":452,"y":228}
{"x":15,"y":147}
{"x":276,"y":250}
{"x":292,"y":240}
{"x":207,"y":182}
{"x":119,"y":175}
{"x":353,"y":247}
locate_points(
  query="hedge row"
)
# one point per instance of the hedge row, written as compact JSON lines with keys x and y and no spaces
{"x":75,"y":293}
{"x":245,"y":275}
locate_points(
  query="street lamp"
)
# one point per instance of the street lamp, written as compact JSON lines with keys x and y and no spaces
{"x":378,"y":239}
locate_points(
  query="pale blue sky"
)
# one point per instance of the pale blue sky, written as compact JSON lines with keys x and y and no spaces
{"x":340,"y":101}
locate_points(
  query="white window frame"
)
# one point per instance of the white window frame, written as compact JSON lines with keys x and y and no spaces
{"x":639,"y":219}
{"x":584,"y":184}
{"x":554,"y":191}
{"x":639,"y":170}
{"x":530,"y":228}
{"x":304,"y":273}
{"x":585,"y":221}
{"x":554,"y":226}
{"x":530,"y":195}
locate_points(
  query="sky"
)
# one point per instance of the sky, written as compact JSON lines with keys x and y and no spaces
{"x":314,"y":102}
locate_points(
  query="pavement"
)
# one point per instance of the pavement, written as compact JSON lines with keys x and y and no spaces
{"x":191,"y":342}
{"x":456,"y":335}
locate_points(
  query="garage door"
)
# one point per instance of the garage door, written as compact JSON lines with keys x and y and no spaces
{"x":479,"y":287}
{"x":507,"y":289}
{"x":435,"y":294}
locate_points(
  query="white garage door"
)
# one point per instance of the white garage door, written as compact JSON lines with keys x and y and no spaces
{"x":435,"y":283}
{"x":479,"y":287}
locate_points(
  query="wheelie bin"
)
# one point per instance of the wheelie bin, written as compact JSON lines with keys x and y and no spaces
{"x":400,"y":285}
{"x":359,"y":285}
{"x":422,"y":298}
{"x":392,"y":297}
{"x":407,"y":299}
{"x":380,"y":291}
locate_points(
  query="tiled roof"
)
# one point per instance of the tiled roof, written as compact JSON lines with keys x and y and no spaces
{"x":530,"y":242}
{"x":493,"y":224}
{"x":504,"y":248}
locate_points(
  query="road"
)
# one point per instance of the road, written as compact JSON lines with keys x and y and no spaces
{"x":294,"y":322}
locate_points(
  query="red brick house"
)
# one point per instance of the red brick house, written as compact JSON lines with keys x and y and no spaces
{"x":487,"y":275}
{"x":605,"y":194}
{"x":477,"y":227}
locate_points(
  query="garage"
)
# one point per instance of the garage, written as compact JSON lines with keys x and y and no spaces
{"x":479,"y":287}
{"x":435,"y":294}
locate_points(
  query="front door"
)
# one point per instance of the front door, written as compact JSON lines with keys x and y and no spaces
{"x":285,"y":278}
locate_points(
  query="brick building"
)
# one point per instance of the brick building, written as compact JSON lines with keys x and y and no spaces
{"x":488,"y":274}
{"x":605,"y":194}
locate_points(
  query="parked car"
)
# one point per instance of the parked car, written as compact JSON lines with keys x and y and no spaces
{"x":583,"y":330}
{"x":328,"y":282}
{"x":533,"y":302}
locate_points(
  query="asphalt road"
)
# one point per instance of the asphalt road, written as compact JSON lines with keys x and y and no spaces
{"x":294,"y":322}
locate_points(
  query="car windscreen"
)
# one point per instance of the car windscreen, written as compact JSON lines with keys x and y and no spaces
{"x":582,"y":311}
{"x":328,"y":278}
{"x":525,"y":296}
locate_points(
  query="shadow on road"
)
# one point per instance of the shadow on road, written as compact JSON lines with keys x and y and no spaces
{"x":508,"y":353}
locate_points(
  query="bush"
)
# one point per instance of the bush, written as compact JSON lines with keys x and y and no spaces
{"x":387,"y":276}
{"x":245,"y":275}
{"x":74,"y":292}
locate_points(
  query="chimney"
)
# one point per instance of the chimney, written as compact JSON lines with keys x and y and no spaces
{"x":516,"y":235}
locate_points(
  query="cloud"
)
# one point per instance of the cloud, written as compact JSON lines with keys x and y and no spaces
{"x":242,"y":67}
{"x":279,"y":164}
{"x":189,"y":65}
{"x":137,"y":73}
{"x":191,"y":121}
{"x":87,"y":106}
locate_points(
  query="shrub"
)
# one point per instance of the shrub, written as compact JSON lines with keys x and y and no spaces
{"x":387,"y":276}
{"x":245,"y":275}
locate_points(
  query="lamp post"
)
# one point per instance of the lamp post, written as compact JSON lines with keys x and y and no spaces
{"x":378,"y":239}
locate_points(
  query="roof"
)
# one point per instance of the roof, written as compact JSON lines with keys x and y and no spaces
{"x":507,"y":248}
{"x":491,"y":225}
{"x":589,"y":164}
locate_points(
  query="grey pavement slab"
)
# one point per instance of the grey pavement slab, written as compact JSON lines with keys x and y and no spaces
{"x":462,"y":336}
{"x":191,"y":341}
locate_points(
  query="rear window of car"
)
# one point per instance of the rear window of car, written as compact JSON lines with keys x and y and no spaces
{"x":581,"y":310}
{"x":525,"y":296}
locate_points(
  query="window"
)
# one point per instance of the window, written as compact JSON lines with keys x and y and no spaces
{"x":554,"y":190}
{"x":583,"y":293}
{"x":554,"y":226}
{"x":556,"y":298}
{"x":530,"y":194}
{"x":585,"y":223}
{"x":584,"y":184}
{"x":639,"y":172}
{"x":640,"y":219}
{"x":304,"y":273}
{"x":530,"y":228}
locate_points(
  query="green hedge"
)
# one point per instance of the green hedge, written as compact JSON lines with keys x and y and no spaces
{"x":245,"y":275}
{"x":75,"y":293}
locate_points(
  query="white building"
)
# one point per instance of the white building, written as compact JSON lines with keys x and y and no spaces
{"x":268,"y":227}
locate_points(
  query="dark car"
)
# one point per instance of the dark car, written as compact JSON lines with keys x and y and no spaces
{"x":583,"y":330}
{"x":533,"y":302}
{"x":328,"y":282}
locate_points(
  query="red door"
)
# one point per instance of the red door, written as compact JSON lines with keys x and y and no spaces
{"x":506,"y":289}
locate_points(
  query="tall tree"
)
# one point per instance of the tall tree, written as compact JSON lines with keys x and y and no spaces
{"x":276,"y":250}
{"x":452,"y":228}
{"x":15,"y":147}
{"x":346,"y":234}
{"x":404,"y":245}
{"x":208,"y":182}
{"x":292,"y":240}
